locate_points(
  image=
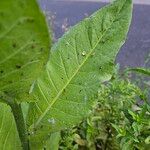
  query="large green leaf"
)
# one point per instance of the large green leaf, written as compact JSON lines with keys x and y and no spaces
{"x":24,"y":46}
{"x":81,"y":60}
{"x":9,"y":138}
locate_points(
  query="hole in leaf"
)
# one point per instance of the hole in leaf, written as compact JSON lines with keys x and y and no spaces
{"x":100,"y":68}
{"x":33,"y":46}
{"x":14,"y":45}
{"x":41,"y":49}
{"x":18,"y":66}
{"x":80,"y":91}
{"x":30,"y":20}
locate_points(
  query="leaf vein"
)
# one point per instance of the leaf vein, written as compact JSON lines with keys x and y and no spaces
{"x":74,"y":74}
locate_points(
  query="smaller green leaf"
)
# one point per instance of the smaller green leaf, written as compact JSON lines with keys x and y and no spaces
{"x":134,"y":115}
{"x":53,"y":142}
{"x":147,"y":140}
{"x":143,"y":71}
{"x":9,"y":138}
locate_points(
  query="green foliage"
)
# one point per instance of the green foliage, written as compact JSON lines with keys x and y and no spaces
{"x":9,"y":138}
{"x":134,"y":134}
{"x":81,"y":60}
{"x":62,"y":93}
{"x":53,"y":141}
{"x":116,"y":122}
{"x":143,"y":71}
{"x":24,"y":47}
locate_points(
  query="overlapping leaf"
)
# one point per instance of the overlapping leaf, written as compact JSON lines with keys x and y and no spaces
{"x":144,"y":71}
{"x":81,"y":60}
{"x":9,"y":138}
{"x":24,"y":46}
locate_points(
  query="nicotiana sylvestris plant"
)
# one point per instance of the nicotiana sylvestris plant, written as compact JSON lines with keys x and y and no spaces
{"x":59,"y":85}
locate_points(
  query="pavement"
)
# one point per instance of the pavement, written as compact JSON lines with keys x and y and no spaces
{"x":67,"y":13}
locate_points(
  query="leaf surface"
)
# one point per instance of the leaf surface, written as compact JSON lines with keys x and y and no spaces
{"x":9,"y":138}
{"x":144,"y":71}
{"x":81,"y":60}
{"x":24,"y":46}
{"x":53,"y":141}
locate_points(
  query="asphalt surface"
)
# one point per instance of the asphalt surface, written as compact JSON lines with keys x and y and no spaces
{"x":137,"y":46}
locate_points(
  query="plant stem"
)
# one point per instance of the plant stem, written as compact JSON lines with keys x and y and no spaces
{"x":20,"y":123}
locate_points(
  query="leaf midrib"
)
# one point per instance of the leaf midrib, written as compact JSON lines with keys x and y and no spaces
{"x":80,"y":66}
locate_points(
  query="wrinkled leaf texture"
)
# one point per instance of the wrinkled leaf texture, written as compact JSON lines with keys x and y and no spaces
{"x":24,"y":46}
{"x":79,"y":62}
